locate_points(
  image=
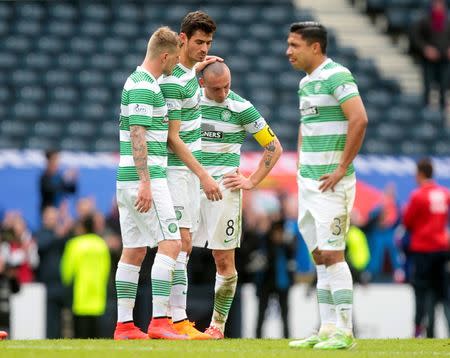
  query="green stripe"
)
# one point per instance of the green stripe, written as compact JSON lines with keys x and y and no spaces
{"x":351,"y":95}
{"x":324,"y":296}
{"x":171,"y":90}
{"x":175,"y":114}
{"x":130,"y":173}
{"x":153,"y":148}
{"x":324,"y":143}
{"x":190,"y":114}
{"x":190,"y":136}
{"x":338,"y":79}
{"x":326,"y":114}
{"x":316,"y":171}
{"x":174,"y":161}
{"x":157,"y":123}
{"x":220,"y":159}
{"x":138,"y":76}
{"x":249,"y":115}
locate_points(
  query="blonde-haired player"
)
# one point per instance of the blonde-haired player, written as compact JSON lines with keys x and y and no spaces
{"x":147,"y":217}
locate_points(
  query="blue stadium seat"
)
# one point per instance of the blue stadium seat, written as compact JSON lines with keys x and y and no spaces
{"x":106,"y":145}
{"x":17,"y":43}
{"x":8,"y":61}
{"x":61,"y":111}
{"x":64,"y":11}
{"x":72,"y":62}
{"x":26,"y":110}
{"x":61,"y":28}
{"x":58,"y":77}
{"x":110,"y":128}
{"x":81,"y":128}
{"x":82,"y":45}
{"x":105,"y":62}
{"x":96,"y":11}
{"x":244,"y":15}
{"x":30,"y":93}
{"x":7,"y":142}
{"x":414,"y":148}
{"x":38,"y":61}
{"x":74,"y":144}
{"x":401,"y":115}
{"x":63,"y":93}
{"x":116,"y":45}
{"x":50,"y":44}
{"x":48,"y":129}
{"x":16,"y":129}
{"x":41,"y":143}
{"x":378,"y":146}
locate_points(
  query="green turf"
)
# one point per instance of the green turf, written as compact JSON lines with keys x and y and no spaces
{"x":214,"y":349}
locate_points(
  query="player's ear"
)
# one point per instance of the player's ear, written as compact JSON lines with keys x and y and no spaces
{"x":183,"y":38}
{"x":201,"y":82}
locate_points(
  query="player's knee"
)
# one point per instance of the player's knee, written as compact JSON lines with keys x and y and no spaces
{"x":317,"y":257}
{"x":133,"y":256}
{"x":330,"y":258}
{"x":224,"y":262}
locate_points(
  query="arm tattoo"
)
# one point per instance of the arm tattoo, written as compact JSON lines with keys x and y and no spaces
{"x":270,"y":149}
{"x":139,"y":149}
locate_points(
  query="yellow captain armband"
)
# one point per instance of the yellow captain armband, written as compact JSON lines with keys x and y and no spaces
{"x":264,"y":136}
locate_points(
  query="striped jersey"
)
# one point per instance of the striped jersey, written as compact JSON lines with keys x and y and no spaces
{"x":323,"y":124}
{"x":182,"y":94}
{"x":224,"y":128}
{"x":142,"y":104}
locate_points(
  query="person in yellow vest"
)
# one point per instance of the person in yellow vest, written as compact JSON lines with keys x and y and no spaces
{"x":86,"y":265}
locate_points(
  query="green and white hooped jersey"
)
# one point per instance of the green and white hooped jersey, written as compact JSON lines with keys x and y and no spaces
{"x":182,"y":94}
{"x":142,"y":104}
{"x":323,"y":124}
{"x":224,"y":128}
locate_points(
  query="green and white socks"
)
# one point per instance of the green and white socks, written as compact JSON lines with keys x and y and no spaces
{"x":341,"y":283}
{"x":326,"y":304}
{"x":178,"y":294}
{"x":127,"y":277}
{"x":162,"y":272}
{"x":224,"y":291}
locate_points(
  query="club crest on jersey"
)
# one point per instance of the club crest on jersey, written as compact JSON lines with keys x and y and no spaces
{"x":225,"y":115}
{"x":317,"y":87}
{"x":166,"y":119}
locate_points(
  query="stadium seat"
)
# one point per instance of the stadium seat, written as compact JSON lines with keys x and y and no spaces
{"x":16,"y":129}
{"x":106,"y":145}
{"x":74,"y":144}
{"x":48,"y":129}
{"x":41,"y":143}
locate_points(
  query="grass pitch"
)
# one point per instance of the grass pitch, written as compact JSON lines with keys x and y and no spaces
{"x":214,"y":349}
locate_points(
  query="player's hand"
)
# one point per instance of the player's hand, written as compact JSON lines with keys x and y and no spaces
{"x":431,"y":53}
{"x":211,"y":188}
{"x":200,"y":66}
{"x":236,"y":181}
{"x":329,"y":181}
{"x":144,"y":198}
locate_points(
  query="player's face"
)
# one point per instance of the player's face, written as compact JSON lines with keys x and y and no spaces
{"x":171,"y":60}
{"x":217,"y":88}
{"x":198,"y":45}
{"x":299,"y":52}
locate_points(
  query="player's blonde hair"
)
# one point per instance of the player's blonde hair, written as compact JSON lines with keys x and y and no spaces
{"x":162,"y":40}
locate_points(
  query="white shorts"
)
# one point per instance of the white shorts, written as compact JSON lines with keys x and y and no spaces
{"x":184,"y":188}
{"x":220,"y":221}
{"x":324,"y":218}
{"x":147,"y":229}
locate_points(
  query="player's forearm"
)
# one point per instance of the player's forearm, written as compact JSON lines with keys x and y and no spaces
{"x":272,"y":153}
{"x":355,"y":135}
{"x":182,"y":151}
{"x":140,"y":153}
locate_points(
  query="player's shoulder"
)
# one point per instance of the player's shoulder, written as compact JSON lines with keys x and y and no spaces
{"x":141,"y":81}
{"x":332,"y":68}
{"x":236,"y":103}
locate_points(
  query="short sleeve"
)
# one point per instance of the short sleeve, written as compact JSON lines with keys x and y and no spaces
{"x":140,"y":107}
{"x":173,"y":94}
{"x":343,"y":86}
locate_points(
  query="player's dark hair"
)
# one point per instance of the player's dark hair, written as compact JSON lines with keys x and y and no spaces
{"x":50,"y":153}
{"x":197,"y":20}
{"x":425,"y":167}
{"x":311,"y":31}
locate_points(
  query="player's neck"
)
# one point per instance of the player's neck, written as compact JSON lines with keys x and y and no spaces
{"x":316,"y":64}
{"x":186,"y":61}
{"x":153,"y":67}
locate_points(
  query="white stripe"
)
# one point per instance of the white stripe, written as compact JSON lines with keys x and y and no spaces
{"x":212,"y":147}
{"x":151,"y":135}
{"x":319,"y":100}
{"x":220,"y":170}
{"x":320,"y":158}
{"x":187,"y":126}
{"x":142,"y":85}
{"x":128,"y":161}
{"x":324,"y":128}
{"x":223,"y":126}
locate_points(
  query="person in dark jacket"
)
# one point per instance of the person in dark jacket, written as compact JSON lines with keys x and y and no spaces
{"x":51,"y":238}
{"x":276,"y":278}
{"x":53,"y":184}
{"x":430,"y":38}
